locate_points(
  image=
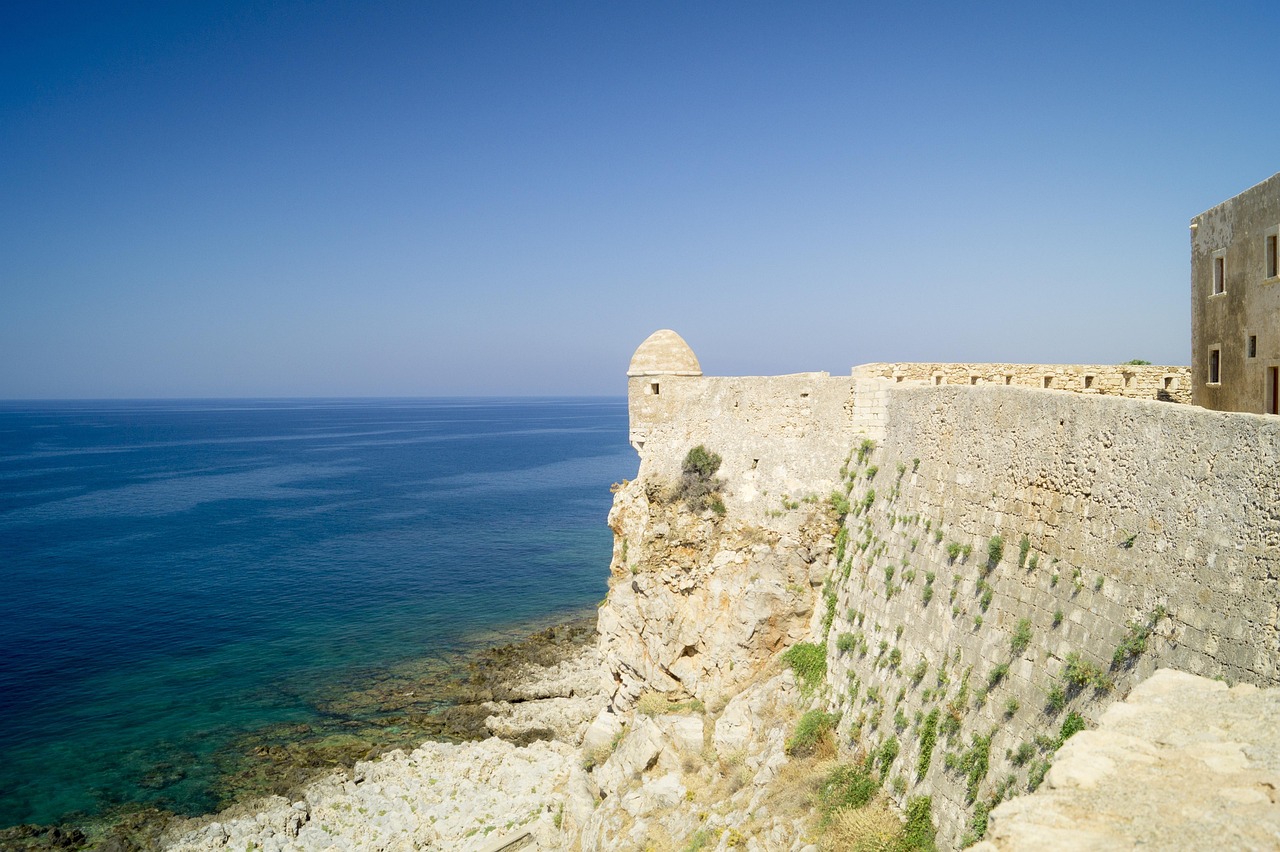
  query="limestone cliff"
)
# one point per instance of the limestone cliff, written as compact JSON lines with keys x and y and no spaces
{"x":698,"y":604}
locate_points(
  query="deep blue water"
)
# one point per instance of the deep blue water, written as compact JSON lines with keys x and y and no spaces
{"x":173,"y":574}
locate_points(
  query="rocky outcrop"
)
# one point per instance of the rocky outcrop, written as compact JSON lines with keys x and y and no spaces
{"x":676,"y":777}
{"x":551,"y":702}
{"x":439,"y":796}
{"x":700,"y":604}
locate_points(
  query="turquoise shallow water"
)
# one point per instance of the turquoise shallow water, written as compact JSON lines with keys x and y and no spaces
{"x":178,"y":573}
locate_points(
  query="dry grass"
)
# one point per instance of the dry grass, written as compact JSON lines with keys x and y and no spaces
{"x":652,"y":704}
{"x":795,"y":789}
{"x":659,"y":839}
{"x":657,"y":704}
{"x":873,"y":828}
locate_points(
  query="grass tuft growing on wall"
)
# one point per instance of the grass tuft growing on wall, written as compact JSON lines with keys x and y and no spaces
{"x":809,"y":661}
{"x":995,"y":551}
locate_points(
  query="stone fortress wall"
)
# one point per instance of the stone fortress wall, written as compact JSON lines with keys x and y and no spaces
{"x":1140,"y":519}
{"x":1137,"y":381}
{"x":1128,"y":508}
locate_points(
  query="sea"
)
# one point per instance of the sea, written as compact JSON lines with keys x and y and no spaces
{"x":175,"y":575}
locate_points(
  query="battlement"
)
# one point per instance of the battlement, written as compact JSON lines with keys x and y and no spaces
{"x":1136,"y":381}
{"x":665,"y":384}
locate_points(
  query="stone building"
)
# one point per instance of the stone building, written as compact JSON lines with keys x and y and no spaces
{"x":1235,"y":302}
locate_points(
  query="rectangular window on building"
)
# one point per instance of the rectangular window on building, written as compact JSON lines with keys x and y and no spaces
{"x":1253,"y":346}
{"x":1219,"y":275}
{"x":1215,"y":366}
{"x":1273,"y":257}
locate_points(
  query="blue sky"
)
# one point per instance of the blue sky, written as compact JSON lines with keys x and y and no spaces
{"x":361,"y":198}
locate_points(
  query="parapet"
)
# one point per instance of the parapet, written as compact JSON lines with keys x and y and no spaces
{"x":1136,"y":381}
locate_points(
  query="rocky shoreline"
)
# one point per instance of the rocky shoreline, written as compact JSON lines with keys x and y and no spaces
{"x":543,"y":685}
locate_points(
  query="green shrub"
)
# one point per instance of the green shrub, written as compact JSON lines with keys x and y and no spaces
{"x":1011,"y":707}
{"x":985,"y":601}
{"x":953,"y":550}
{"x":1073,"y":724}
{"x":1079,"y":673}
{"x":698,"y":486}
{"x":1056,"y":700}
{"x":997,"y":675}
{"x":949,"y":725}
{"x":918,"y":834}
{"x":1023,"y":754}
{"x":846,"y":787}
{"x":1021,"y":636}
{"x":829,"y":598}
{"x":809,"y":661}
{"x":846,"y":642}
{"x":813,"y":728}
{"x":928,"y":738}
{"x":887,"y":754}
{"x":1024,"y":547}
{"x":1057,"y":617}
{"x":865,"y":449}
{"x":842,"y":543}
{"x":995,"y":551}
{"x":1035,"y":775}
{"x":1136,"y":362}
{"x":839,"y":503}
{"x":918,"y":673}
{"x":1135,"y":641}
{"x":977,"y":825}
{"x":975,"y":763}
{"x":699,"y":840}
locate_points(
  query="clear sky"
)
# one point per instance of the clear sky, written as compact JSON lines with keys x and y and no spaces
{"x":415,"y":198}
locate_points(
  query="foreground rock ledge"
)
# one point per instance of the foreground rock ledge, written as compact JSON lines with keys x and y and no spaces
{"x":1183,"y":763}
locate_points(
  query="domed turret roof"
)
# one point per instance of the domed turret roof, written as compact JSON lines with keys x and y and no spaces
{"x":664,"y":353}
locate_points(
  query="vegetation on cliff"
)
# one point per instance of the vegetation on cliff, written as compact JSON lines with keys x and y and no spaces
{"x":699,"y":487}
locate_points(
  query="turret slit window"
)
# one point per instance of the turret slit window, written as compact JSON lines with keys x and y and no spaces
{"x":1215,"y":365}
{"x":1273,"y":255}
{"x":1219,"y":274}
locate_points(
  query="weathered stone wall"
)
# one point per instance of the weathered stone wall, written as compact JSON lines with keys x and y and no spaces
{"x":776,"y":434}
{"x":1129,"y":509}
{"x":1138,"y":381}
